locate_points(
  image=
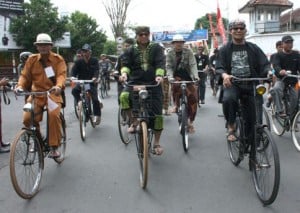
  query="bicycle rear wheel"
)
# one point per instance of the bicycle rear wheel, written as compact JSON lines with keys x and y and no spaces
{"x":26,"y":164}
{"x":76,"y":109}
{"x":91,"y":112}
{"x":278,"y":123}
{"x":142,"y":145}
{"x":296,"y":131}
{"x":63,"y":142}
{"x":102,"y":88}
{"x":123,"y":124}
{"x":184,"y":127}
{"x":236,"y":148}
{"x":82,"y":122}
{"x":266,"y":169}
{"x":266,"y":118}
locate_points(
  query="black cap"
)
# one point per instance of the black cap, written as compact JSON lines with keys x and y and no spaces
{"x":86,"y":47}
{"x":287,"y":38}
{"x":142,"y":29}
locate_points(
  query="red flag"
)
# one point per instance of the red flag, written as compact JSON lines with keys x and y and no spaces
{"x":212,"y":30}
{"x":220,"y":24}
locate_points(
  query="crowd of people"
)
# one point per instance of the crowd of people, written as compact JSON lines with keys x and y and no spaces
{"x":146,"y":62}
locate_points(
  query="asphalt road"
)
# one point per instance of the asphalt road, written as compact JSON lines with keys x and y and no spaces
{"x":101,"y":174}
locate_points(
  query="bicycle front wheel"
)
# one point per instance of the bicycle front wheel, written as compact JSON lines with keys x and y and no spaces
{"x":123,"y":124}
{"x":296,"y":131}
{"x":184,"y":128}
{"x":143,"y":153}
{"x":102,"y":88}
{"x":82,"y":122}
{"x":26,"y":164}
{"x":278,"y":123}
{"x":235,"y":148}
{"x":266,"y":169}
{"x":63,"y":142}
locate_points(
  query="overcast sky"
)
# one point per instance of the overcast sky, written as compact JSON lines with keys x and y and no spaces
{"x":159,"y":14}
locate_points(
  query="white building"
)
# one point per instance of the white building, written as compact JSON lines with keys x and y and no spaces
{"x":266,"y":26}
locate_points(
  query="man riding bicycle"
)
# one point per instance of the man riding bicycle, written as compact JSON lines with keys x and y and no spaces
{"x":105,"y":67}
{"x":181,"y":65}
{"x":286,"y":60}
{"x":87,"y":68}
{"x":144,"y":63}
{"x":42,"y":72}
{"x":241,"y":59}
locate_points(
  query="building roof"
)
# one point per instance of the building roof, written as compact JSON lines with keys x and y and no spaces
{"x":251,"y":4}
{"x":291,"y":15}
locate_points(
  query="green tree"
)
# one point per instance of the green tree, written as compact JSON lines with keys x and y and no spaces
{"x":110,"y":48}
{"x":84,"y":29}
{"x":39,"y":17}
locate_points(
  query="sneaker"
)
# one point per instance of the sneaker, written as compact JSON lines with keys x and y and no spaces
{"x":97,"y":120}
{"x":202,"y":102}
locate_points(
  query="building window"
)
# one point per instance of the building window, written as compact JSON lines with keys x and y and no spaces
{"x":260,"y":15}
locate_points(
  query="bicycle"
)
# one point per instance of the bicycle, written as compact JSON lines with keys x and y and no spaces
{"x":28,"y":151}
{"x":183,"y":113}
{"x":85,"y":106}
{"x":103,"y":85}
{"x":291,"y":121}
{"x":141,"y":110}
{"x":259,"y":145}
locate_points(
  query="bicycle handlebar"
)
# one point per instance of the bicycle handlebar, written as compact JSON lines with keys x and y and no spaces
{"x":140,"y":86}
{"x":82,"y":81}
{"x":37,"y":93}
{"x":237,"y":79}
{"x":182,"y":82}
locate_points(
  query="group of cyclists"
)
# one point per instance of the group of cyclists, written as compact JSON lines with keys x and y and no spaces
{"x":145,"y":62}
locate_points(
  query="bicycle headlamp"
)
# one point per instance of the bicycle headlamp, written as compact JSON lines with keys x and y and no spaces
{"x":143,"y":94}
{"x":260,"y":89}
{"x":27,"y":107}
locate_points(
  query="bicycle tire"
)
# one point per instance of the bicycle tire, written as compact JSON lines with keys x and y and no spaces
{"x":123,"y":124}
{"x":63,"y":142}
{"x":143,"y":153}
{"x":296,"y":131}
{"x":102,"y":88}
{"x":76,"y":109}
{"x":184,"y":128}
{"x":277,"y":122}
{"x":106,"y":87}
{"x":82,"y":122}
{"x":90,"y":109}
{"x":266,"y":169}
{"x":26,"y":164}
{"x":236,"y":148}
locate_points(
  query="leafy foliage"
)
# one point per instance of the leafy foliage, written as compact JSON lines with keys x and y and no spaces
{"x":40,"y":17}
{"x":84,"y":29}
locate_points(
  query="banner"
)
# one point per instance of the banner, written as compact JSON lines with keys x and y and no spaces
{"x":167,"y":36}
{"x":212,"y":30}
{"x":220,"y":24}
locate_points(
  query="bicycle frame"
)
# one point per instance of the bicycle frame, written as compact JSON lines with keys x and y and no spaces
{"x":263,"y":154}
{"x":183,"y":111}
{"x":143,"y":134}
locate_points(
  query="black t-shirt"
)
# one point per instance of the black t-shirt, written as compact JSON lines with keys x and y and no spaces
{"x":287,"y":61}
{"x":239,"y":62}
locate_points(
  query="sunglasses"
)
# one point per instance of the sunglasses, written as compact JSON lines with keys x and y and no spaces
{"x":143,"y":34}
{"x":238,"y":28}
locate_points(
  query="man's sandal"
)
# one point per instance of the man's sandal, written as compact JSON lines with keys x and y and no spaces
{"x":157,"y":150}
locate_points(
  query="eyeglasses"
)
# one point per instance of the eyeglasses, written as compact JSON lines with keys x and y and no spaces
{"x":238,"y":28}
{"x":143,"y":34}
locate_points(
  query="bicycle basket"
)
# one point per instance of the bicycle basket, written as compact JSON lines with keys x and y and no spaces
{"x":137,"y":103}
